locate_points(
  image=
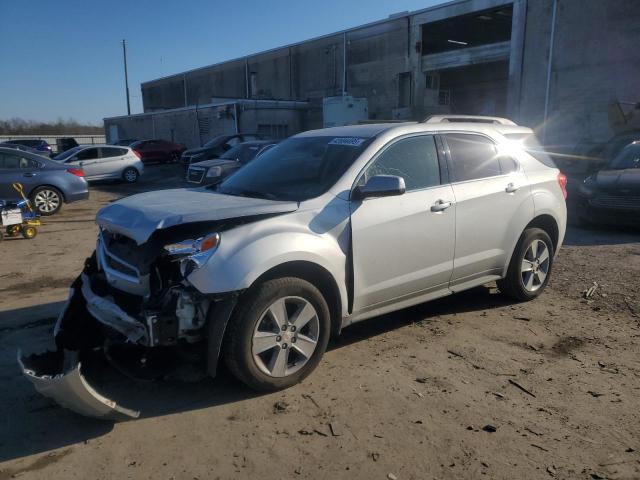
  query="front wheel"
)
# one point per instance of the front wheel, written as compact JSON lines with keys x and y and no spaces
{"x":530,"y":266}
{"x":130,"y":175}
{"x":278,"y":334}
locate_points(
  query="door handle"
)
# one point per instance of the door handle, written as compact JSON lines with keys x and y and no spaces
{"x":511,"y":188}
{"x":29,"y":174}
{"x":440,"y":205}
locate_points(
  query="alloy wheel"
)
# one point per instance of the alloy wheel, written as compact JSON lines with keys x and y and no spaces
{"x":130,"y":175}
{"x":47,"y":201}
{"x":285,"y":336}
{"x":535,"y":265}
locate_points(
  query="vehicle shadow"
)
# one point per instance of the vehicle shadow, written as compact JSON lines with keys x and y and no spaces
{"x":601,"y":235}
{"x":33,"y":424}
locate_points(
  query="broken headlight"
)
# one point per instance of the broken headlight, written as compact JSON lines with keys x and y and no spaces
{"x":193,"y":254}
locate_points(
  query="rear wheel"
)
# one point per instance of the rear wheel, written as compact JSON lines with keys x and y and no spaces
{"x":47,"y":200}
{"x":530,"y":266}
{"x":278,"y":334}
{"x":130,"y":175}
{"x":29,"y":232}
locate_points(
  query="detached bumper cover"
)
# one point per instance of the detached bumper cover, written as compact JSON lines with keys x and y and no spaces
{"x":70,"y":389}
{"x":57,"y":374}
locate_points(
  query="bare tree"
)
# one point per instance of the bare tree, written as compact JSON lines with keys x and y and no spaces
{"x":20,"y":126}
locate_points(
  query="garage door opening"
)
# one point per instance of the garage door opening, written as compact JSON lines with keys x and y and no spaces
{"x":476,"y":89}
{"x":467,"y":31}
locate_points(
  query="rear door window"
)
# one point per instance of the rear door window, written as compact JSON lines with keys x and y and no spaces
{"x":15,"y":162}
{"x":88,"y":154}
{"x":415,"y":159}
{"x":472,"y":157}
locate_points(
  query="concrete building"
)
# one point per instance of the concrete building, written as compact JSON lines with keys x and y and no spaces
{"x":561,"y":66}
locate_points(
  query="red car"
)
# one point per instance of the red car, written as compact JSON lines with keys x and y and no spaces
{"x":158,"y":150}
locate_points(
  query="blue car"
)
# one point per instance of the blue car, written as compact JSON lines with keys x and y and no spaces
{"x":41,"y":147}
{"x":48,"y":184}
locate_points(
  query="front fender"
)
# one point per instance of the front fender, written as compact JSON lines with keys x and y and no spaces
{"x":247,"y":252}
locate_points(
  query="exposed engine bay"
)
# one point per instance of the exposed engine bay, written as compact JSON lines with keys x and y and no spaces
{"x":132,"y":295}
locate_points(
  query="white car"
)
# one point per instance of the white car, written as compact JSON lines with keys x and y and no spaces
{"x":104,"y":162}
{"x":330,"y":228}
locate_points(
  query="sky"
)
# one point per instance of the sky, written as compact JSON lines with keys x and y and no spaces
{"x":63,"y":58}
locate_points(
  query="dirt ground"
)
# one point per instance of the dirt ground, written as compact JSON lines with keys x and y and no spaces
{"x":470,"y":386}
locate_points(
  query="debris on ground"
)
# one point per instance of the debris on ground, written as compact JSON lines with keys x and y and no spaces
{"x":280,"y":406}
{"x":335,"y":430}
{"x":489,"y":428}
{"x":588,"y":293}
{"x":517,"y":385}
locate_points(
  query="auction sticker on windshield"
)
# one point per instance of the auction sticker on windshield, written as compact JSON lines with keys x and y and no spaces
{"x":348,"y":141}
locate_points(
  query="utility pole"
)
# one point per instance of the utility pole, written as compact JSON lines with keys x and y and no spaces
{"x":126,"y":76}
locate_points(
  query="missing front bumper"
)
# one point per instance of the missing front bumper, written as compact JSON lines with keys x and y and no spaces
{"x":68,"y":387}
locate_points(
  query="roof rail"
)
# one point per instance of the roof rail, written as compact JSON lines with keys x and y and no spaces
{"x":467,"y":119}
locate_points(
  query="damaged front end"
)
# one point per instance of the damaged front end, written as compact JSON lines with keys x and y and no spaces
{"x":126,"y":295}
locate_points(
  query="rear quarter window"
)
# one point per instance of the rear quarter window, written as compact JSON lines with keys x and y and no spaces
{"x":532,"y":146}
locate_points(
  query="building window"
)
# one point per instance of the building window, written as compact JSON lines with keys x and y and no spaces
{"x":432,"y":81}
{"x":444,"y":97}
{"x":466,"y":31}
{"x":404,"y":89}
{"x":253,"y":84}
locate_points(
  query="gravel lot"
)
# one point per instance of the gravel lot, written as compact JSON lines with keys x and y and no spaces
{"x":470,"y":386}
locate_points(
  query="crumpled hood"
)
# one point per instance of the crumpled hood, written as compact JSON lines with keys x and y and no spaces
{"x":628,"y":179}
{"x":139,"y":216}
{"x":217,"y":162}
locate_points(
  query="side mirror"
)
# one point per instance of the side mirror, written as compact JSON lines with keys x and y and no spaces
{"x":380,"y":186}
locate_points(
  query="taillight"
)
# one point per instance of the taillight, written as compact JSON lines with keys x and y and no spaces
{"x":137,"y":153}
{"x":78,"y":172}
{"x":562,"y":181}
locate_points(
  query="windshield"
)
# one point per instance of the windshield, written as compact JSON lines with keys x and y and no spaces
{"x":629,"y":157}
{"x":299,"y":169}
{"x":532,"y":146}
{"x":234,"y":153}
{"x":215,"y":141}
{"x":67,"y":154}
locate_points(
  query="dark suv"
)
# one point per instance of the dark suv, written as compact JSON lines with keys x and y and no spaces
{"x":215,"y":147}
{"x":40,"y":147}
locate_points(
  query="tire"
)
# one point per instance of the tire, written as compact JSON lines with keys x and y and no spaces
{"x":29,"y":232}
{"x":260,"y":366}
{"x":47,"y":200}
{"x":130,"y":175}
{"x":522,"y":284}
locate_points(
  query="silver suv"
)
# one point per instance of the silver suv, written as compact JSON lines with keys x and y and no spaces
{"x":328,"y":228}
